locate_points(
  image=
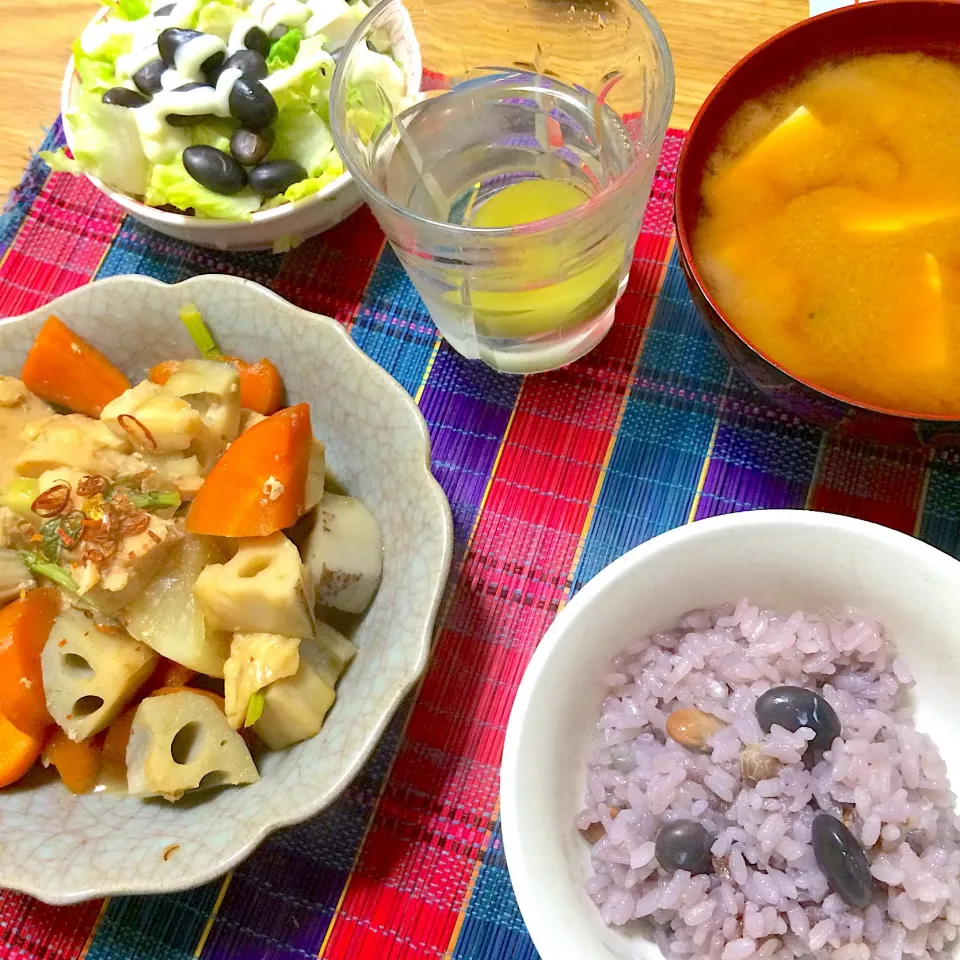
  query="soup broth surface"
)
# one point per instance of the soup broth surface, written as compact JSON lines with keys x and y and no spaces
{"x":830,"y":232}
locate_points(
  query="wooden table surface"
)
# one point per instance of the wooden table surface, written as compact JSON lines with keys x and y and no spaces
{"x":706,"y":36}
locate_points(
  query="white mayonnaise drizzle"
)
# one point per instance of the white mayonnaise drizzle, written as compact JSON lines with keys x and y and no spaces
{"x":237,"y":33}
{"x":323,"y":12}
{"x":161,"y":142}
{"x":129,"y":63}
{"x":190,"y":56}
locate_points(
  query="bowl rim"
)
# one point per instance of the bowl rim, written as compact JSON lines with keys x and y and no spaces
{"x":545,"y":927}
{"x":138,"y":208}
{"x":415,"y":673}
{"x":683,"y":174}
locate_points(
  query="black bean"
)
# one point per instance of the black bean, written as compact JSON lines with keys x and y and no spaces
{"x":188,"y":119}
{"x":171,"y":39}
{"x":796,"y":707}
{"x":272,"y":178}
{"x":214,"y":169}
{"x":248,"y":62}
{"x":124,"y":97}
{"x":252,"y":103}
{"x":164,"y":11}
{"x":147,"y":78}
{"x":249,"y":147}
{"x":842,"y":860}
{"x":280,"y":30}
{"x":684,"y":845}
{"x":212,"y":66}
{"x":257,"y":40}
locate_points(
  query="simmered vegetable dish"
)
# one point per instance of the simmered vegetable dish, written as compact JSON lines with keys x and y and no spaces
{"x":159,"y":621}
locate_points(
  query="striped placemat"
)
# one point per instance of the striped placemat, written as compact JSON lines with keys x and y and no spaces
{"x":550,"y":478}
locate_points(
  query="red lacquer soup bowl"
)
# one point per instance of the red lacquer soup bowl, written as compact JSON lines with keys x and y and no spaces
{"x":881,"y":26}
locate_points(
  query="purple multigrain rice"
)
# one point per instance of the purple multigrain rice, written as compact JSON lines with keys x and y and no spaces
{"x":766,"y":896}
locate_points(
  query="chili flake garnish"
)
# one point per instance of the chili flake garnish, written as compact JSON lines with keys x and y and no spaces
{"x":52,"y":501}
{"x":91,"y":485}
{"x":133,"y":524}
{"x":137,"y":431}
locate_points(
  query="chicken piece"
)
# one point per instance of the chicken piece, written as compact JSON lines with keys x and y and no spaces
{"x":166,"y":616}
{"x":344,"y":552}
{"x":181,"y":473}
{"x":18,"y":407}
{"x":73,"y":440}
{"x":152,"y":419}
{"x":256,"y":659}
{"x":89,"y":675}
{"x":212,"y":388}
{"x":264,"y":588}
{"x":137,"y":559}
{"x":12,"y":392}
{"x":68,"y":475}
{"x":182,"y":742}
{"x":296,"y":707}
{"x":9,"y":527}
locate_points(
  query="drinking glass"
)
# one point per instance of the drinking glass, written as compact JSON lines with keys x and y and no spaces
{"x":512,"y":188}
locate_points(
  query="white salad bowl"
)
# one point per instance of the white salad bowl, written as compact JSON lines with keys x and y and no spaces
{"x":781,"y":559}
{"x":63,"y":848}
{"x":278,"y":228}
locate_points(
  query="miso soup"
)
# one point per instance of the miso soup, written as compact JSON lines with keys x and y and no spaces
{"x":830,"y":231}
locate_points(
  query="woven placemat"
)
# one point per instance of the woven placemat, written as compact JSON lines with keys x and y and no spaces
{"x":550,"y":478}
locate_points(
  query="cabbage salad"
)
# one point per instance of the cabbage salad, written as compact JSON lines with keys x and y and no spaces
{"x":218,"y":108}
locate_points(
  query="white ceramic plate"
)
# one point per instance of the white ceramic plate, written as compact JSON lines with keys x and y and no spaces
{"x":290,"y":222}
{"x":62,"y":848}
{"x":784,"y":559}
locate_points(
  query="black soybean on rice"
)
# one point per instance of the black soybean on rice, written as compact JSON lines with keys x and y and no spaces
{"x":765,"y":894}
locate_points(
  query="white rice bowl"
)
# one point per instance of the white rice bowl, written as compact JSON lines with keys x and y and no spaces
{"x":585,"y":737}
{"x":766,"y":895}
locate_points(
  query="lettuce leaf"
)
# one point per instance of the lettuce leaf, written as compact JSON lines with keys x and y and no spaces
{"x":171,"y":184}
{"x":333,"y":168}
{"x":213,"y":133}
{"x":302,"y":136}
{"x":372,"y":73}
{"x":218,"y":17}
{"x":130,"y":9}
{"x":98,"y":70}
{"x":283,"y":52}
{"x":106,"y":144}
{"x":307,"y":78}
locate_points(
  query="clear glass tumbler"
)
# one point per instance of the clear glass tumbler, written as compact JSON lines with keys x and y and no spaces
{"x":513,"y":187}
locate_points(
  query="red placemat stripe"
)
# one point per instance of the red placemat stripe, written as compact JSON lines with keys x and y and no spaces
{"x":35,"y":930}
{"x":878,"y":483}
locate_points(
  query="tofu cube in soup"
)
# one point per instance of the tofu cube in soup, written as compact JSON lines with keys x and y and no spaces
{"x":90,"y":674}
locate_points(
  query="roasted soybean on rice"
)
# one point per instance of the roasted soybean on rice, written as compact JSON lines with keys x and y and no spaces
{"x":682,"y":771}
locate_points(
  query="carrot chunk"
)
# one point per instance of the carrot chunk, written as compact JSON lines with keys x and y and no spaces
{"x":18,"y":752}
{"x":77,"y":763}
{"x":261,"y":387}
{"x":24,"y":627}
{"x":161,"y":372}
{"x":63,"y":368}
{"x":259,"y":485}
